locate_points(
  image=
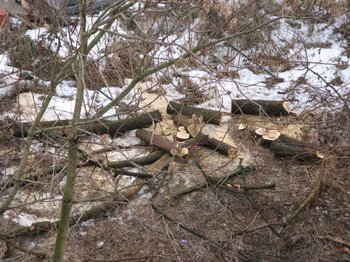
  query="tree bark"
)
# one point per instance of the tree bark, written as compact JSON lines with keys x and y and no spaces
{"x":258,"y":107}
{"x":159,"y":165}
{"x":217,"y":145}
{"x":285,"y":146}
{"x":161,"y":142}
{"x":209,"y":116}
{"x":146,"y":160}
{"x":98,"y":127}
{"x":68,"y":192}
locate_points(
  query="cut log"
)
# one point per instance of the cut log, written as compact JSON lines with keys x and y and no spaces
{"x":285,"y":146}
{"x":182,"y":134}
{"x":242,"y":126}
{"x":160,"y":165}
{"x":98,"y":127}
{"x":146,"y":160}
{"x":134,"y":122}
{"x":161,"y":142}
{"x":268,"y":134}
{"x":209,"y":116}
{"x":205,"y":140}
{"x":253,"y":186}
{"x":217,"y":145}
{"x":193,"y":125}
{"x":258,"y":107}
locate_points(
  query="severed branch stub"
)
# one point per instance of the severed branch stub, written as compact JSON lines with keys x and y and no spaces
{"x":258,"y":107}
{"x":284,"y":146}
{"x":209,"y":116}
{"x":162,"y":143}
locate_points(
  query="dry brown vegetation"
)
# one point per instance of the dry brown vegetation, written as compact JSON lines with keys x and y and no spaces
{"x":272,"y":209}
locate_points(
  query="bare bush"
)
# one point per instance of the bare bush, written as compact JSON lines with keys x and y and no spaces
{"x":203,"y":205}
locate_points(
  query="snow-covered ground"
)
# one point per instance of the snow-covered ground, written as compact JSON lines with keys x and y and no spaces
{"x":316,"y":65}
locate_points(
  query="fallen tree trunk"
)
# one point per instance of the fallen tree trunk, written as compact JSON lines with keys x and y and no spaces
{"x":258,"y":107}
{"x":146,"y":160}
{"x":151,"y":170}
{"x":217,"y":145}
{"x":161,"y":142}
{"x":209,"y":116}
{"x":98,"y":127}
{"x":285,"y":146}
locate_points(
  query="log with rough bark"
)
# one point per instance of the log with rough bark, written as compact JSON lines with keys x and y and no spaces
{"x":209,"y":116}
{"x":217,"y":145}
{"x":284,"y":146}
{"x":146,"y":160}
{"x":162,"y":143}
{"x":98,"y":127}
{"x":258,"y":107}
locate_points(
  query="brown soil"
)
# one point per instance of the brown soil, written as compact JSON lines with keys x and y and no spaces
{"x":220,"y":224}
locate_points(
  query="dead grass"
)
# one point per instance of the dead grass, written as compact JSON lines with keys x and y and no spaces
{"x":126,"y":59}
{"x":333,"y":7}
{"x":27,"y":54}
{"x":216,"y":224}
{"x":194,"y":94}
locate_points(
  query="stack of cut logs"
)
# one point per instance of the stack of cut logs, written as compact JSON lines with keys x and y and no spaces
{"x":281,"y":145}
{"x":189,"y":122}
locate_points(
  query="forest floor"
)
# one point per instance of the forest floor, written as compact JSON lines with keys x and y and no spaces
{"x":304,"y":216}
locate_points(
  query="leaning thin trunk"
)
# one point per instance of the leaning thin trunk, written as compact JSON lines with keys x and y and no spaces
{"x":68,"y":193}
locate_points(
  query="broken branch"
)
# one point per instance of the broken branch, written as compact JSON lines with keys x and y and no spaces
{"x":284,"y":146}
